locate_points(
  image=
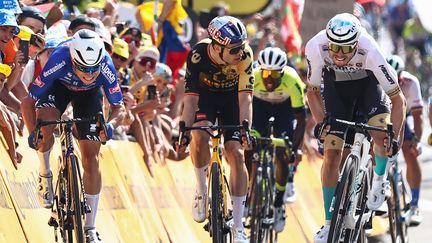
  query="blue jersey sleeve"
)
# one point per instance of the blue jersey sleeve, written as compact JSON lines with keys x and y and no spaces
{"x":108,"y":79}
{"x":54,"y":69}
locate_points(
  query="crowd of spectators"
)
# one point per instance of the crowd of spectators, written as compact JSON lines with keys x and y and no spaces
{"x":151,"y":117}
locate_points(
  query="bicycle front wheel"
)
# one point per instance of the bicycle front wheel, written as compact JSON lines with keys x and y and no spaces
{"x":216,"y":217}
{"x":256,"y":219}
{"x":75,"y":198}
{"x":341,"y":200}
{"x":397,"y":207}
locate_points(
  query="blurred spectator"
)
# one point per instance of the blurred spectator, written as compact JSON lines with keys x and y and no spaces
{"x":32,"y":18}
{"x":81,"y":22}
{"x":416,"y":36}
{"x":9,"y":55}
{"x":398,"y":15}
{"x":120,"y":58}
{"x":7,"y":126}
{"x":104,"y":34}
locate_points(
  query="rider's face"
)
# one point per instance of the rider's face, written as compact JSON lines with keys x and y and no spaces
{"x":341,"y":55}
{"x":234,"y":54}
{"x":86,"y":77}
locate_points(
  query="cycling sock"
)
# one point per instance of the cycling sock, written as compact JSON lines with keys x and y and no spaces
{"x":238,"y":208}
{"x":44,"y":164}
{"x":280,"y":191}
{"x":90,"y":219}
{"x":415,"y":193}
{"x":328,"y":193}
{"x":381,"y":163}
{"x":201,"y":176}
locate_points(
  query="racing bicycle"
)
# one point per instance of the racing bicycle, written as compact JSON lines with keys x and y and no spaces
{"x":350,"y":213}
{"x":70,"y":204}
{"x":263,"y":186}
{"x":398,"y":203}
{"x":216,"y":202}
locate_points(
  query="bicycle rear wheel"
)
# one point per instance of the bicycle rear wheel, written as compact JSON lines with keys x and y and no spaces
{"x":75,"y":196}
{"x":397,"y":207}
{"x":342,"y":200}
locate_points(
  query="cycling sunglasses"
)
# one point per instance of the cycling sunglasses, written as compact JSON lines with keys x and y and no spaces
{"x":123,"y":59}
{"x":130,"y":38}
{"x":236,"y":50}
{"x":345,"y":48}
{"x":271,"y":73}
{"x":147,"y":62}
{"x":87,"y":69}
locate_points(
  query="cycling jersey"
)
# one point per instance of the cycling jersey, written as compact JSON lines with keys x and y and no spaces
{"x":368,"y":58}
{"x":204,"y":74}
{"x":291,"y":87}
{"x":59,"y":69}
{"x":410,"y":87}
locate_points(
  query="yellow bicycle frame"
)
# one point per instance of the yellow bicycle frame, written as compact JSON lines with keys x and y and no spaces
{"x":217,"y":159}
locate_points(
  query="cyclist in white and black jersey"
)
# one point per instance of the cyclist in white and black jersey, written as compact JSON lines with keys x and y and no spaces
{"x":354,"y":73}
{"x":410,"y":87}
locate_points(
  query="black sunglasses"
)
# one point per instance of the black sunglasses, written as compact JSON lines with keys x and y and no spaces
{"x":123,"y":59}
{"x":236,"y":50}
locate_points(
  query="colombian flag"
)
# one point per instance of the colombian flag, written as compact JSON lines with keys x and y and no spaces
{"x":173,"y":51}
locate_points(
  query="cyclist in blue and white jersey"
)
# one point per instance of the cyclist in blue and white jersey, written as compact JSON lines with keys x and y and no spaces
{"x":354,"y":73}
{"x":410,"y":87}
{"x":75,"y":72}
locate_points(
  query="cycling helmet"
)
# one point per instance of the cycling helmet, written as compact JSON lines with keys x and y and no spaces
{"x":343,"y":29}
{"x":163,"y":71}
{"x":226,"y":30}
{"x":87,"y":48}
{"x":396,"y":62}
{"x":272,"y":58}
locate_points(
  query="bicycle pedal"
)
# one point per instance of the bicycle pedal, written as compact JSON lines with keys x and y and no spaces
{"x":53,"y":222}
{"x":87,"y":209}
{"x":207,"y":227}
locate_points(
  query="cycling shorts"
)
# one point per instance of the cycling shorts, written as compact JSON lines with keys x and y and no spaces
{"x":225,"y":106}
{"x":342,"y":99}
{"x":282,"y":112}
{"x":85,"y":104}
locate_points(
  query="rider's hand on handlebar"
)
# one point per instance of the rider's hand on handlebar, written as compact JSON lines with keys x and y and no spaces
{"x":33,"y":142}
{"x":394,"y":147}
{"x":320,"y":131}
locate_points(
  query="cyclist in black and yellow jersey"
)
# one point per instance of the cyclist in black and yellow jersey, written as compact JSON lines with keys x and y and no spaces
{"x":219,"y":79}
{"x":279,"y":93}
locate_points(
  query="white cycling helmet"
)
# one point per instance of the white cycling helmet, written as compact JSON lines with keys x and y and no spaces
{"x":87,"y":48}
{"x":272,"y":58}
{"x":343,"y":29}
{"x":396,"y":62}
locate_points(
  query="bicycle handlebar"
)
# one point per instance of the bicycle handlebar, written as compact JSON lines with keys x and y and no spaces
{"x":218,"y":128}
{"x":358,"y":125}
{"x":99,"y":119}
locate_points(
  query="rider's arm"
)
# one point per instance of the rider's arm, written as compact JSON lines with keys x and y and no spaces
{"x":315,"y":65}
{"x":246,"y":82}
{"x":418,"y":122}
{"x":118,"y":113}
{"x":398,"y":111}
{"x":296,"y":91}
{"x":28,"y":113}
{"x":190,"y":105}
{"x":245,"y":105}
{"x":414,"y":100}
